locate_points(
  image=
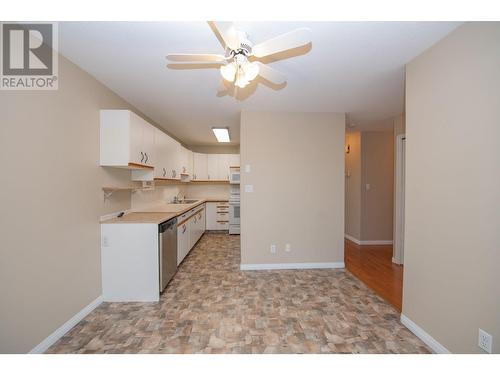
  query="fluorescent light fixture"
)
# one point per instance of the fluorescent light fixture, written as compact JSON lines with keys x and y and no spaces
{"x":222,"y":134}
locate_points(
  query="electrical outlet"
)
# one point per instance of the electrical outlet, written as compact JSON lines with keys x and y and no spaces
{"x":485,"y":341}
{"x":105,"y":241}
{"x":273,"y":249}
{"x":288,"y":247}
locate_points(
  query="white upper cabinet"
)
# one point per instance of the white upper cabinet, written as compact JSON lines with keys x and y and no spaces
{"x":212,"y":167}
{"x":234,"y":160}
{"x":126,"y":140}
{"x":186,"y":162}
{"x":199,"y":166}
{"x":161,"y":142}
{"x":172,"y":153}
{"x":223,"y":167}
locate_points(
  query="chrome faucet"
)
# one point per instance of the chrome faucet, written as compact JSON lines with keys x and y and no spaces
{"x":177,"y":199}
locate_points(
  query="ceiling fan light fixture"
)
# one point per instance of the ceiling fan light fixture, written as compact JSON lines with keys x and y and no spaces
{"x":222,"y":134}
{"x":228,"y":71}
{"x":241,"y":79}
{"x":251,"y":71}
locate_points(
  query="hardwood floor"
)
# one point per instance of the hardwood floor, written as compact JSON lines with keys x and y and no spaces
{"x":373,"y":266}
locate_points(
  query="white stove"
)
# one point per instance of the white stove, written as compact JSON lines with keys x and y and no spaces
{"x":234,"y":209}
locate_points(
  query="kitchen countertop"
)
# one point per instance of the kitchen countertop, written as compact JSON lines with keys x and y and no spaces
{"x":158,"y":214}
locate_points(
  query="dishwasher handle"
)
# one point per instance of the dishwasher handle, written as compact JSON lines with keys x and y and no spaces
{"x":166,"y":225}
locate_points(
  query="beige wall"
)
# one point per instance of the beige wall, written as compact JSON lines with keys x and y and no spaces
{"x":297,"y":173}
{"x":51,"y":201}
{"x":377,"y":164}
{"x":452,"y":236}
{"x":353,"y":186}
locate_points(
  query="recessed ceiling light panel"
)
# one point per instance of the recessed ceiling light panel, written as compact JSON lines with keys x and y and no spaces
{"x":222,"y":134}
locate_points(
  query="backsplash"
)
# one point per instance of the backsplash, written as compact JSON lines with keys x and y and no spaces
{"x":208,"y":191}
{"x":160,"y":194}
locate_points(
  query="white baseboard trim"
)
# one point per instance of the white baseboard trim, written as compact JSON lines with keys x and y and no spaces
{"x":62,"y":330}
{"x":376,"y":242}
{"x":394,"y":260}
{"x":368,"y":242}
{"x":290,"y":266}
{"x":351,"y":238}
{"x":424,"y":336}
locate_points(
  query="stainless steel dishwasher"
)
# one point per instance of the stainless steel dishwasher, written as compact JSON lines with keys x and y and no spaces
{"x":168,"y":251}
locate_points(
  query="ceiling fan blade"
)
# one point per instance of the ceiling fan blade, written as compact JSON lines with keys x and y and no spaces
{"x":227,"y":33}
{"x":283,"y":42}
{"x":193,"y":57}
{"x":270,"y":74}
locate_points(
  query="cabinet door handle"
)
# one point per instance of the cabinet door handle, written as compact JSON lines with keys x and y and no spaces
{"x":146,"y":157}
{"x":142,"y":156}
{"x":184,"y":228}
{"x":164,"y":172}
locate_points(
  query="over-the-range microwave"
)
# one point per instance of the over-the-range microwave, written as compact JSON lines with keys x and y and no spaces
{"x":234,"y":175}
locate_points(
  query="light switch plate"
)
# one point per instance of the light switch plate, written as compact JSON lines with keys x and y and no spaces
{"x":248,"y":188}
{"x":247,"y":168}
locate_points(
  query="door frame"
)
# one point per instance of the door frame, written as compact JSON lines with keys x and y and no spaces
{"x":399,"y":219}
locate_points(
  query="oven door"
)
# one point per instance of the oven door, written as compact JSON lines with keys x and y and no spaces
{"x":234,"y":213}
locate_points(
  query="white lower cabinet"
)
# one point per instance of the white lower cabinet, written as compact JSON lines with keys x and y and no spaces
{"x":217,"y":217}
{"x":182,"y":241}
{"x":189,"y":231}
{"x":130,"y":262}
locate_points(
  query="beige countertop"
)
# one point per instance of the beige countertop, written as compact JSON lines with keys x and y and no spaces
{"x":158,"y":213}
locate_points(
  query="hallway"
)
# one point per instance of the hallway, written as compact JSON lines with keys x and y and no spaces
{"x":373,"y":266}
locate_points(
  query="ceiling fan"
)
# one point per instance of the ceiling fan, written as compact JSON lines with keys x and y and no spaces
{"x":240,"y":63}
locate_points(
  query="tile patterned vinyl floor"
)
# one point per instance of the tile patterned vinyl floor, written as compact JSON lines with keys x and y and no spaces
{"x":212,"y":307}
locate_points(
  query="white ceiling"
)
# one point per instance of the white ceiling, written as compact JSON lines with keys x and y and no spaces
{"x":352,"y":67}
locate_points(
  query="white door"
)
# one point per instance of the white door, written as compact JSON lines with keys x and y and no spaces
{"x":192,"y":231}
{"x":148,"y":141}
{"x":159,"y":153}
{"x":172,"y":158}
{"x":199,"y":166}
{"x":136,"y":134}
{"x":190,"y":163}
{"x":182,"y":242}
{"x":200,"y":216}
{"x":211,"y":216}
{"x":212,"y":167}
{"x":234,"y":160}
{"x":223,"y":167}
{"x":203,"y":224}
